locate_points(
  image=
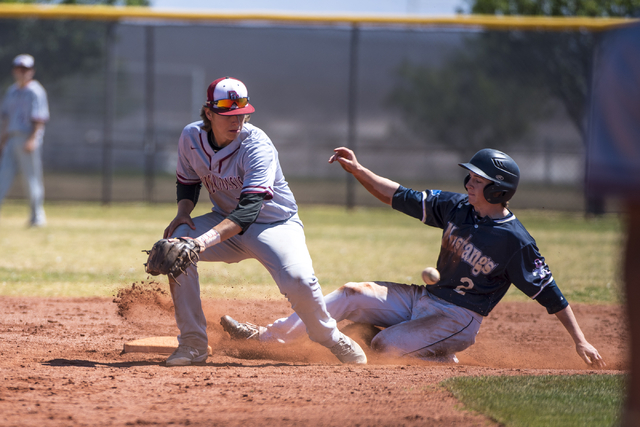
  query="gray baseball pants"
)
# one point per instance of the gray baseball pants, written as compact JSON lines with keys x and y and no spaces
{"x":416,"y":323}
{"x":14,"y":158}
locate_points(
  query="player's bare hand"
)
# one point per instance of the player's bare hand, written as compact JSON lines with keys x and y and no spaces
{"x":346,"y":158}
{"x":590,"y":355}
{"x":30,"y":145}
{"x":176,"y":222}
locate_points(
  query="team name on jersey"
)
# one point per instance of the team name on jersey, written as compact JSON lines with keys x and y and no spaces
{"x":467,"y":251}
{"x":217,"y":183}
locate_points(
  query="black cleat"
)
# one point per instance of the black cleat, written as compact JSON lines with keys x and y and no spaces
{"x":241,"y":331}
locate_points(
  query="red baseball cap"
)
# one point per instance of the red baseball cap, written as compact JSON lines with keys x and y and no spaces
{"x":228,"y":97}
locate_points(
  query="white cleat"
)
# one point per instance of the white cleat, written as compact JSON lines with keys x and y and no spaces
{"x":349,"y":351}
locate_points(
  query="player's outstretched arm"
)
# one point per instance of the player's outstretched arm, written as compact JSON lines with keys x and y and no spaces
{"x":382,"y":188}
{"x":586,"y":351}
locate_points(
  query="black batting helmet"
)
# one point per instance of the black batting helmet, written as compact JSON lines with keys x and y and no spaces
{"x":500,"y":169}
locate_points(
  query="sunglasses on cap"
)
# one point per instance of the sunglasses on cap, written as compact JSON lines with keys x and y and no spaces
{"x":228,"y":103}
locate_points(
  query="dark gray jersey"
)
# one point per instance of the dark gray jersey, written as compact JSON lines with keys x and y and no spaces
{"x":480,"y":257}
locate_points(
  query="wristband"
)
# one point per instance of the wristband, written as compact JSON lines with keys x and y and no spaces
{"x":208,"y":239}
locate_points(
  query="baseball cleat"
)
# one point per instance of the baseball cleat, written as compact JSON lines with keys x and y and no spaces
{"x":348,"y":351}
{"x":185,"y":356}
{"x":241,"y":331}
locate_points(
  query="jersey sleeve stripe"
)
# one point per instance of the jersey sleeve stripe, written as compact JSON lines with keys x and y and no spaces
{"x":424,"y":206}
{"x":260,"y":190}
{"x":268,"y":195}
{"x":186,"y":181}
{"x":544,"y":285}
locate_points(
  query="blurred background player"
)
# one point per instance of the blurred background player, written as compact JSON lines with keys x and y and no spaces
{"x":613,"y":170}
{"x":24,"y":112}
{"x":484,"y":250}
{"x":254,"y":216}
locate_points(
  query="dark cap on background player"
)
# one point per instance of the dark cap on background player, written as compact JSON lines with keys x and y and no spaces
{"x":228,"y":97}
{"x":23,"y":60}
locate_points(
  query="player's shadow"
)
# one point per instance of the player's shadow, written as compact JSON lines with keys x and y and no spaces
{"x":94,"y":364}
{"x":61,"y":363}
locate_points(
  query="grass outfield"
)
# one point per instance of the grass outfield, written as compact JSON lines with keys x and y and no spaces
{"x":544,"y":401}
{"x":93,"y":250}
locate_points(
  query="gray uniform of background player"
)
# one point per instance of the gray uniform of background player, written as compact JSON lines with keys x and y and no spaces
{"x":22,"y":108}
{"x":249,"y":164}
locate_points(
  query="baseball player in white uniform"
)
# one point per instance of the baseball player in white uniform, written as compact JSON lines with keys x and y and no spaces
{"x":254,"y":215}
{"x":24,"y":112}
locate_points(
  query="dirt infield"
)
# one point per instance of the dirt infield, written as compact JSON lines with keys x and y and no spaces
{"x":61,"y":364}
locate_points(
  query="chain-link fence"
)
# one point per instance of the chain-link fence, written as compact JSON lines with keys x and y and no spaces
{"x":413,"y":101}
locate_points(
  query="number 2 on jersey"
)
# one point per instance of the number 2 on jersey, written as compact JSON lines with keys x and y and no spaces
{"x":468,"y":284}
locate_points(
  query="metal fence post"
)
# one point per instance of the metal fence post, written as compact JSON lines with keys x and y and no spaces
{"x":149,"y":133}
{"x":109,"y":112}
{"x":352,"y":105}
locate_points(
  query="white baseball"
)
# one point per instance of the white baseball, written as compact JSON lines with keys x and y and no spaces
{"x":430,"y":275}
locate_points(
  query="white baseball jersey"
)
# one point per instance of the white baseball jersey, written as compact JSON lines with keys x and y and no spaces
{"x":23,"y":106}
{"x":249,"y":164}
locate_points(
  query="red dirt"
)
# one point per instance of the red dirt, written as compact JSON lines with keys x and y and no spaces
{"x":61,"y":365}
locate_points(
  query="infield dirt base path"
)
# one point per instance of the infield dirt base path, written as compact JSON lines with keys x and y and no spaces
{"x":61,"y":364}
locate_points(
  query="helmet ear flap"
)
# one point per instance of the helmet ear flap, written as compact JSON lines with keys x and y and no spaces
{"x":494,"y":194}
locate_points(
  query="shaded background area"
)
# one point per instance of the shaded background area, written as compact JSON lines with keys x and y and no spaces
{"x":413,"y":101}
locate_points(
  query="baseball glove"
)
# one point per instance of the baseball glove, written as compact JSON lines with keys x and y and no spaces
{"x":171,"y":256}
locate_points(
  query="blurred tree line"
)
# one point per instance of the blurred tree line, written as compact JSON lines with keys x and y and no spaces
{"x":61,"y":48}
{"x":501,"y":82}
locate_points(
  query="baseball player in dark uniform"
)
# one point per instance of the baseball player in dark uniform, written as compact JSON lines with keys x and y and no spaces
{"x":484,"y":250}
{"x":254,"y":215}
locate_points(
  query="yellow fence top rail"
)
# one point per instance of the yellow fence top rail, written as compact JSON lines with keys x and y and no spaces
{"x":118,"y":13}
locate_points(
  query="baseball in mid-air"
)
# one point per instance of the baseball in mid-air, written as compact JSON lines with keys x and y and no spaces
{"x":430,"y":275}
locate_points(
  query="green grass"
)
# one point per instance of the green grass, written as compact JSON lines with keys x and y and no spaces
{"x":544,"y":401}
{"x":89,"y":249}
